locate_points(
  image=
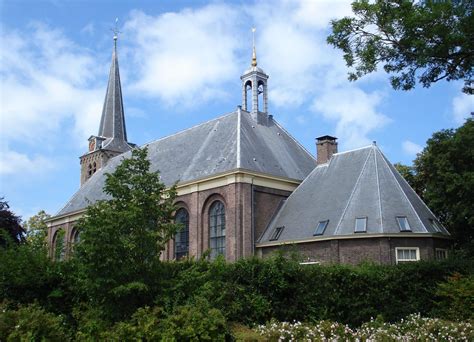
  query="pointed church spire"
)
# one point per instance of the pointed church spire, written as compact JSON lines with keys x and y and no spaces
{"x":112,"y":123}
{"x":254,"y":53}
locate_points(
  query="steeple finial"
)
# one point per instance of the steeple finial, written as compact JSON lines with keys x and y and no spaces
{"x":116,"y":31}
{"x":254,"y":53}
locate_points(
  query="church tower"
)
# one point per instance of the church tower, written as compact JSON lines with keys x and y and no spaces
{"x":112,"y":138}
{"x":255,"y":90}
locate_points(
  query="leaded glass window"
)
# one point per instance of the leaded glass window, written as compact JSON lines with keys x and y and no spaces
{"x":181,"y":240}
{"x":217,"y":229}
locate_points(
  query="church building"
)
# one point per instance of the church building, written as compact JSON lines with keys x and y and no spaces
{"x":246,"y":187}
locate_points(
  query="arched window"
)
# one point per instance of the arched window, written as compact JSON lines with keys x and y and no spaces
{"x":260,"y":96}
{"x":181,"y":241}
{"x":76,"y":237}
{"x":248,"y":95}
{"x":217,"y":229}
{"x":59,"y":245}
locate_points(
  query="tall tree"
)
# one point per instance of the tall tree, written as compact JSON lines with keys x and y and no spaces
{"x":37,"y":230}
{"x":424,"y":40}
{"x":445,"y":168}
{"x":122,"y":238}
{"x":10,"y":225}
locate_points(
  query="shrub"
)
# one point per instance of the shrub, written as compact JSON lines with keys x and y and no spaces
{"x":413,"y":328}
{"x":31,"y":323}
{"x":198,"y":322}
{"x":456,"y":297}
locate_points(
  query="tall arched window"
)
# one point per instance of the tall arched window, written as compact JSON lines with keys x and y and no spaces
{"x":217,"y":229}
{"x":59,"y":245}
{"x":181,"y":241}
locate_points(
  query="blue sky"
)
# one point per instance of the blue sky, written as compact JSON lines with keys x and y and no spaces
{"x":180,"y":63}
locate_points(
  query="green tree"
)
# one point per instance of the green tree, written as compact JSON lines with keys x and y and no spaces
{"x":424,"y":40}
{"x":122,"y":238}
{"x":10,"y":225}
{"x":410,"y":175}
{"x":37,"y":230}
{"x":446,"y":169}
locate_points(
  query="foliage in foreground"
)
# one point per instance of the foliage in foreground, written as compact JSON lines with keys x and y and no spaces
{"x":122,"y":237}
{"x":413,"y":328}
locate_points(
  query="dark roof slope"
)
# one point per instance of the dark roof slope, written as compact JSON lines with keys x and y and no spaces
{"x":354,"y":184}
{"x":230,"y":142}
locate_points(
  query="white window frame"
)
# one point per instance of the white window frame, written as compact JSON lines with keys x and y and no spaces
{"x":417,"y":249}
{"x":443,"y":250}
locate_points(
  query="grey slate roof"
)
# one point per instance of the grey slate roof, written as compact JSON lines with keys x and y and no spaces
{"x":230,"y":142}
{"x":112,"y":123}
{"x":354,"y":184}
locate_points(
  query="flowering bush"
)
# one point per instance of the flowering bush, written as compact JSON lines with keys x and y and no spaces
{"x":413,"y":328}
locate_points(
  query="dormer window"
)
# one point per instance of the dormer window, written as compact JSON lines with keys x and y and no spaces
{"x":321,"y":227}
{"x":276,"y":233}
{"x":403,"y":224}
{"x":360,"y":225}
{"x":435,"y":225}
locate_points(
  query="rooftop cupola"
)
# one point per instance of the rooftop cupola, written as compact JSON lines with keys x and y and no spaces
{"x":255,"y":83}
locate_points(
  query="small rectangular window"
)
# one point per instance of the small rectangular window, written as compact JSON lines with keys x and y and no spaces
{"x":360,"y":225}
{"x":403,"y":224}
{"x":407,"y":254}
{"x":435,"y":225}
{"x":441,"y":254}
{"x":321,"y":227}
{"x":276,"y":233}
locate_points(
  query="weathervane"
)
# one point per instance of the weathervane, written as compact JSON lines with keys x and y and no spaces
{"x":115,"y":30}
{"x":254,"y":53}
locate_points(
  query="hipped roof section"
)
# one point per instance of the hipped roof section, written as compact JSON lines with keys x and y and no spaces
{"x":354,"y":184}
{"x":230,"y":142}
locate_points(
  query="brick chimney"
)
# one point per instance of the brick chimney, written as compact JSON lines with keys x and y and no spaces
{"x":326,"y":146}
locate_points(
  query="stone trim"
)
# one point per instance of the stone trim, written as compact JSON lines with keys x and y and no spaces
{"x":352,"y":236}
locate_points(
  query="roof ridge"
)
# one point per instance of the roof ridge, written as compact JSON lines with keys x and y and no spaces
{"x":378,"y":190}
{"x":352,"y":193}
{"x":403,"y":192}
{"x":188,"y":129}
{"x":353,"y":150}
{"x":204,"y":145}
{"x":292,"y":138}
{"x":239,"y":128}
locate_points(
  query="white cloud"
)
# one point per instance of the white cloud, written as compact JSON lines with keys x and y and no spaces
{"x":354,"y":111}
{"x":184,"y":56}
{"x":45,"y":80}
{"x":303,"y":68}
{"x":411,"y":148}
{"x":463,"y":106}
{"x":14,"y":163}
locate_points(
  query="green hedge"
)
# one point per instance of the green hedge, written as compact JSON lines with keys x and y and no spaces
{"x":249,"y":291}
{"x":254,"y":291}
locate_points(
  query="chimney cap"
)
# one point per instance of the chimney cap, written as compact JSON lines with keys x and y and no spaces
{"x":326,"y":137}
